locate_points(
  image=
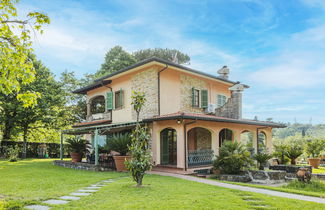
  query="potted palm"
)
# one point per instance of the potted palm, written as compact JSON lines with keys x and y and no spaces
{"x":77,"y":148}
{"x":313,"y":149}
{"x":262,"y":159}
{"x":119,"y":143}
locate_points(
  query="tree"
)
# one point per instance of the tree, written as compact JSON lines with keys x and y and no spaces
{"x":166,"y":54}
{"x":48,"y":112}
{"x":139,"y":147}
{"x":15,"y":47}
{"x":115,"y":59}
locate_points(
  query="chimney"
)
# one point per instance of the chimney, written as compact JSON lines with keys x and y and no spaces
{"x":236,"y":96}
{"x":224,"y":72}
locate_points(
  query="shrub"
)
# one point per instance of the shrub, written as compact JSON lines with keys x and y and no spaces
{"x":77,"y":145}
{"x":314,"y":148}
{"x":118,"y":143}
{"x":262,"y":159}
{"x":233,"y":158}
{"x":12,"y":154}
{"x":295,"y":148}
{"x":280,"y":151}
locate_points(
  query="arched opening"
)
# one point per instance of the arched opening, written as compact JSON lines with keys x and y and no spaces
{"x":261,"y":141}
{"x":225,"y":135}
{"x":199,"y":141}
{"x":246,"y":138}
{"x":168,"y":147}
{"x":97,"y":105}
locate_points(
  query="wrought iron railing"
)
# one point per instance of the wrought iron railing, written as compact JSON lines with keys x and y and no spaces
{"x":200,"y":157}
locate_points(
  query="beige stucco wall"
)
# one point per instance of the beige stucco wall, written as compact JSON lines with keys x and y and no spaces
{"x":213,"y":127}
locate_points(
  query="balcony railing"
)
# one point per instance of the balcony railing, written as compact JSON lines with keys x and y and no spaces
{"x":200,"y":157}
{"x":100,"y":116}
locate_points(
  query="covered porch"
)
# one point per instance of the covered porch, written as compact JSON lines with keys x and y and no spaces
{"x":96,"y":133}
{"x":190,"y":142}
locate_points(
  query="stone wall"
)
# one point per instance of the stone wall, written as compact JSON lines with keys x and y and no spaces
{"x":187,"y":83}
{"x":233,"y":107}
{"x":147,"y":81}
{"x":80,"y":166}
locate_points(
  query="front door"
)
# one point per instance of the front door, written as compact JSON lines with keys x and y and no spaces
{"x":168,"y":147}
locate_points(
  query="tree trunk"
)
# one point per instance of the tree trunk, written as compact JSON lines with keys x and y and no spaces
{"x":7,"y":130}
{"x":25,"y":142}
{"x":293,"y":161}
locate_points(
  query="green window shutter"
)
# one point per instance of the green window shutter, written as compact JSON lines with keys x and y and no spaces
{"x":193,"y":97}
{"x":121,"y":98}
{"x":204,"y":98}
{"x":109,"y":100}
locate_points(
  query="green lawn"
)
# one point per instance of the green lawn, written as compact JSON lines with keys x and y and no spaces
{"x":316,"y":188}
{"x":319,"y":170}
{"x":32,"y":181}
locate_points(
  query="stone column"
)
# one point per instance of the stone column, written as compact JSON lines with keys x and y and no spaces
{"x":180,"y":146}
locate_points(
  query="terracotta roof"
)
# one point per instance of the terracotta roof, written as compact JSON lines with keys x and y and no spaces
{"x":205,"y":117}
{"x":97,"y":122}
{"x":169,"y":63}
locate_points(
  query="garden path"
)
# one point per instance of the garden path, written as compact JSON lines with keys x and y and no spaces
{"x":243,"y":188}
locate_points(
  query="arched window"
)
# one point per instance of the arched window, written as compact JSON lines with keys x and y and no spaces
{"x":225,"y":135}
{"x":168,"y":147}
{"x":97,"y":105}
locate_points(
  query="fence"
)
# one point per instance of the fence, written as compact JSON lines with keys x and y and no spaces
{"x":34,"y":149}
{"x":200,"y":157}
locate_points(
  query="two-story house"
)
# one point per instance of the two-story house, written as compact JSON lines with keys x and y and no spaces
{"x":189,"y":113}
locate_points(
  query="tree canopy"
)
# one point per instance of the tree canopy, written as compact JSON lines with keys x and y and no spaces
{"x":15,"y":47}
{"x":117,"y":58}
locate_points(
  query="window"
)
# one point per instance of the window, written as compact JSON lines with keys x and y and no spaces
{"x":118,"y":99}
{"x":221,"y":100}
{"x":195,"y":97}
{"x":97,"y":105}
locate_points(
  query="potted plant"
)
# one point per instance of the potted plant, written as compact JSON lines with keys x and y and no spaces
{"x":313,"y":149}
{"x":262,"y":159}
{"x":294,"y":150}
{"x":77,"y":148}
{"x":119,"y":143}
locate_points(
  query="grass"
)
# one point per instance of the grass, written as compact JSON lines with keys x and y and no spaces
{"x":32,"y":181}
{"x":319,"y":170}
{"x":316,"y":188}
{"x":37,"y":180}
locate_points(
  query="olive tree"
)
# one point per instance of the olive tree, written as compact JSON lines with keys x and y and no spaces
{"x":139,"y":148}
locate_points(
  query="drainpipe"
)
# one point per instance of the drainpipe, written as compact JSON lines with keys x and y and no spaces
{"x":185,"y":141}
{"x":159,"y":87}
{"x":257,"y":130}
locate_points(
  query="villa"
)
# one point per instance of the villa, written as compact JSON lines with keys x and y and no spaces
{"x":189,"y":113}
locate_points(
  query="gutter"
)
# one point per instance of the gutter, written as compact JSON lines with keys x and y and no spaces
{"x":159,"y":87}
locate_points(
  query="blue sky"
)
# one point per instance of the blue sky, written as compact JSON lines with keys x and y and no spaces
{"x":277,"y":47}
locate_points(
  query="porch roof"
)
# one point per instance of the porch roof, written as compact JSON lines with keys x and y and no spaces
{"x":205,"y":117}
{"x":87,"y":129}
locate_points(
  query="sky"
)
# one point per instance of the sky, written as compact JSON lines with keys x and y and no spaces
{"x":276,"y":47}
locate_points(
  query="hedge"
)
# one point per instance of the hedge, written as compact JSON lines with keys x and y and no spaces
{"x":34,"y":149}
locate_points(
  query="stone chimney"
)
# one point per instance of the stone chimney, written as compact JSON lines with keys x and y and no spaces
{"x":223,"y":72}
{"x":233,"y":107}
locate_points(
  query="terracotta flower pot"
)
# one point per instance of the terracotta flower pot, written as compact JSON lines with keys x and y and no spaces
{"x":119,"y":162}
{"x":75,"y":157}
{"x":314,"y":162}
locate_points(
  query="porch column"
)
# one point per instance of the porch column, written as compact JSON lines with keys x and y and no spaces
{"x":61,"y":146}
{"x":96,"y":147}
{"x":215,"y":142}
{"x":254,"y":133}
{"x":180,"y":147}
